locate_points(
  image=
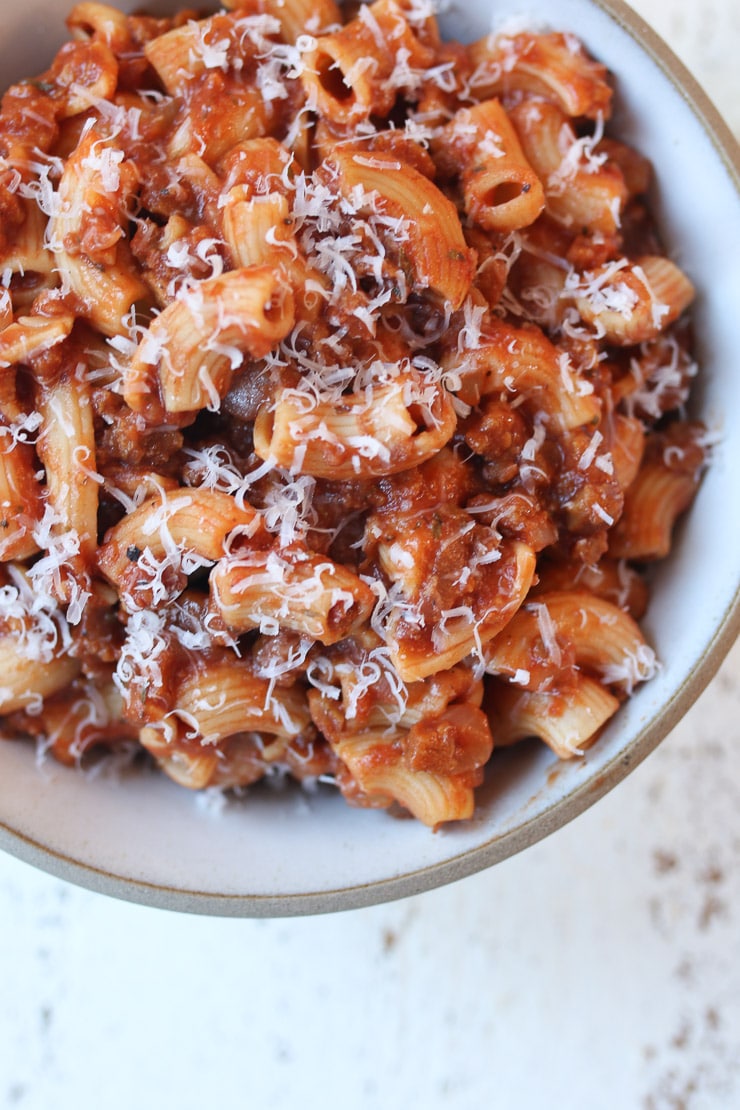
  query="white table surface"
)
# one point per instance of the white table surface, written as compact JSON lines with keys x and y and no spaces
{"x":599,"y":970}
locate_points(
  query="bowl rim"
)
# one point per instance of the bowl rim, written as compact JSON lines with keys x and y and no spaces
{"x":561,"y":810}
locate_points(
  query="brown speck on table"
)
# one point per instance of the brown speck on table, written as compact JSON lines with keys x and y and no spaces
{"x":712,"y":874}
{"x":664,"y":861}
{"x":712,"y":908}
{"x":390,"y":940}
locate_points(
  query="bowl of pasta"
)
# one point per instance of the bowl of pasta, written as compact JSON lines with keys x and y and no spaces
{"x":369,"y":418}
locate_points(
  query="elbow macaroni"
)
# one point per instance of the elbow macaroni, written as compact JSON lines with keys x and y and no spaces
{"x":340,"y":392}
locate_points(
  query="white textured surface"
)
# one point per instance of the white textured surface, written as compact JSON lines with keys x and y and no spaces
{"x":600,"y":969}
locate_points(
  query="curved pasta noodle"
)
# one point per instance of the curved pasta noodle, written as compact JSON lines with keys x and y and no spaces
{"x":523,"y":362}
{"x":567,"y":720}
{"x":431,"y":243}
{"x":148,"y":555}
{"x":66,"y":447}
{"x":236,"y":762}
{"x":24,"y":683}
{"x":501,"y":191}
{"x":226,"y":725}
{"x":400,"y":424}
{"x":257,"y":229}
{"x":583,"y":190}
{"x":257,"y":167}
{"x":565,"y":627}
{"x":21,"y":503}
{"x":87,"y":71}
{"x":627,"y":446}
{"x":350,"y":74}
{"x":189,"y":351}
{"x":258,"y":225}
{"x":24,"y":249}
{"x":186,"y":53}
{"x":663,"y":489}
{"x":431,"y":770}
{"x":551,"y":65}
{"x":31,"y":335}
{"x":613,"y":579}
{"x":419,"y":645}
{"x":91,"y":19}
{"x":81,"y":717}
{"x":297,"y":16}
{"x":356,"y":688}
{"x":222,"y":698}
{"x":431,"y":798}
{"x":241,"y":116}
{"x":96,"y":184}
{"x":631,"y":302}
{"x":295,"y":589}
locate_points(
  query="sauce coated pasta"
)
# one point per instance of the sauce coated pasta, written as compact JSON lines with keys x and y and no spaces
{"x":341,"y":401}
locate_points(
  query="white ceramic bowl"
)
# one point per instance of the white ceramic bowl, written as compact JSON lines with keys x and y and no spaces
{"x":289,"y":852}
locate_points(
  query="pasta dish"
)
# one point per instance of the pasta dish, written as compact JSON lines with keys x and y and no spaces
{"x":343,"y":399}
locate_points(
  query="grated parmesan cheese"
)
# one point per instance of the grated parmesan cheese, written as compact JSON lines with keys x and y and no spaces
{"x":547,"y":631}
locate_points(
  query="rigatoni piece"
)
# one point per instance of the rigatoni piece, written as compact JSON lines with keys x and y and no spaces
{"x":583,"y":190}
{"x":351,"y":74}
{"x":525,"y":365}
{"x":86,"y":232}
{"x":24,"y":683}
{"x":66,"y":447}
{"x":561,"y":629}
{"x":397,"y":425}
{"x":291,"y":588}
{"x":93,"y":20}
{"x":432,"y":245}
{"x":663,"y":489}
{"x":189,"y":351}
{"x":149,"y":554}
{"x":541,"y":65}
{"x":501,"y":191}
{"x":568,"y":720}
{"x":630,"y":302}
{"x":21,"y":502}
